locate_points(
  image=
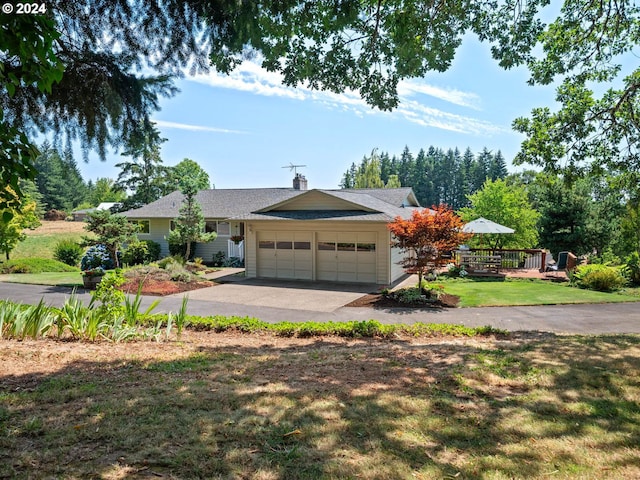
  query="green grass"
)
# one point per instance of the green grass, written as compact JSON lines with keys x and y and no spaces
{"x":484,"y":293}
{"x":35,"y":265}
{"x":60,"y":279}
{"x":554,"y":407}
{"x":43,"y":246}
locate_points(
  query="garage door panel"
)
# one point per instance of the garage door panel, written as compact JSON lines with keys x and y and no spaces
{"x":285,"y":255}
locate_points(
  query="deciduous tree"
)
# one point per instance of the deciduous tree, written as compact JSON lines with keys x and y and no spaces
{"x":23,"y":215}
{"x":508,"y":205}
{"x":426,"y":237}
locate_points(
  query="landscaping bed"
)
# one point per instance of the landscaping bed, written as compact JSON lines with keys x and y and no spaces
{"x":379,"y":300}
{"x":159,"y":282}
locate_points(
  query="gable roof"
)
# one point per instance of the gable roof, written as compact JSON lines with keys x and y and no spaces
{"x":379,"y":205}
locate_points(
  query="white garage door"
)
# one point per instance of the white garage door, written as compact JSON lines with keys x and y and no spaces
{"x":285,"y":255}
{"x":346,"y":257}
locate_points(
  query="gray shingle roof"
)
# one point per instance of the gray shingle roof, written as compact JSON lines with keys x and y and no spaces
{"x":217,"y":203}
{"x":380,"y":205}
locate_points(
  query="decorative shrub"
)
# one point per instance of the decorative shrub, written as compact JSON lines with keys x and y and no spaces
{"x":67,"y":251}
{"x":141,"y":252}
{"x":177,"y":247}
{"x":633,"y":268}
{"x":599,"y":277}
{"x":426,"y":294}
{"x":219,"y":259}
{"x":455,"y":271}
{"x":97,"y":256}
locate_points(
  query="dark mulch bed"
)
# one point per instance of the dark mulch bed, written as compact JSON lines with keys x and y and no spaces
{"x":378,"y":300}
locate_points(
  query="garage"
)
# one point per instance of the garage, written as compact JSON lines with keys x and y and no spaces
{"x":286,"y":255}
{"x":346,"y":257}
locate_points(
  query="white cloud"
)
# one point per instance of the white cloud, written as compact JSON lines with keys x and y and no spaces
{"x":465,"y":99}
{"x":250,"y":77}
{"x":194,"y":128}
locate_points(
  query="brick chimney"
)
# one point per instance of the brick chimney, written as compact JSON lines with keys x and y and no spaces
{"x":299,"y":182}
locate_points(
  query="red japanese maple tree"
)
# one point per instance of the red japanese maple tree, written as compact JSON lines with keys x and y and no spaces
{"x":426,"y":237}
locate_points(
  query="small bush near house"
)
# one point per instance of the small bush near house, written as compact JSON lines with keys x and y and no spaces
{"x":141,"y":252}
{"x":219,"y":259}
{"x":633,"y":268}
{"x":67,"y":251}
{"x":599,"y":277}
{"x":176,"y":247}
{"x":35,"y":265}
{"x":97,"y":256}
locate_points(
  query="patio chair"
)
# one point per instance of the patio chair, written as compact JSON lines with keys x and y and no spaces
{"x":561,"y":265}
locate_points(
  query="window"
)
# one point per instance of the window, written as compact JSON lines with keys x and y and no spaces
{"x":326,"y":246}
{"x":224,"y":228}
{"x":281,"y":245}
{"x":210,"y":226}
{"x":346,"y":247}
{"x":302,"y":245}
{"x":143,"y":226}
{"x":267,"y":244}
{"x":221,"y":228}
{"x":172,"y":226}
{"x":366,"y":247}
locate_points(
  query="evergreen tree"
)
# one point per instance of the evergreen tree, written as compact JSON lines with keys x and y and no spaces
{"x":143,"y":174}
{"x":59,"y":180}
{"x":190,"y":222}
{"x":497,"y":167}
{"x":406,"y":167}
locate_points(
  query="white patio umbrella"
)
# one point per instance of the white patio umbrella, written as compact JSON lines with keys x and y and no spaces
{"x":482,"y":226}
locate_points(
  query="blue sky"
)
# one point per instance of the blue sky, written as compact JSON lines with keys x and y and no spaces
{"x":243,"y":128}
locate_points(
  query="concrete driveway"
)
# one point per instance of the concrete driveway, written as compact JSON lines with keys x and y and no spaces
{"x":289,"y":294}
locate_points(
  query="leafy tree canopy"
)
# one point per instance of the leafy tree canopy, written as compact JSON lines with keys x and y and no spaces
{"x":508,"y":205}
{"x":12,"y":226}
{"x":94,"y":69}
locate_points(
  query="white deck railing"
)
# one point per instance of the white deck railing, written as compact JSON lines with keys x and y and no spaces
{"x":235,"y":250}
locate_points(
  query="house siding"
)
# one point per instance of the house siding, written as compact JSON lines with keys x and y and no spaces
{"x":158,"y":229}
{"x":396,"y":269}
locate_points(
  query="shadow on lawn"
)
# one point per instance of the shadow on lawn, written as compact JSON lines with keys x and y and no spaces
{"x":367,"y":409}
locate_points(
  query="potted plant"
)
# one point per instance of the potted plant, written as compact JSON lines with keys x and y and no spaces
{"x":237,"y":239}
{"x":92,"y":277}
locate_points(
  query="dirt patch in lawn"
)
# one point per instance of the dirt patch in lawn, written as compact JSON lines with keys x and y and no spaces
{"x":58,"y":226}
{"x":378,"y":300}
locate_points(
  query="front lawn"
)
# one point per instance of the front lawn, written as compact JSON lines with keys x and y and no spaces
{"x":511,"y":292}
{"x":58,"y":279}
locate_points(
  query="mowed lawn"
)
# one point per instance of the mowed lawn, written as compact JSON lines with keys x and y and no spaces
{"x":261,"y":407}
{"x":484,"y":293}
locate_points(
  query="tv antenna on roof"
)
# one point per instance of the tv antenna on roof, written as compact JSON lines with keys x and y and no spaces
{"x":293,"y":167}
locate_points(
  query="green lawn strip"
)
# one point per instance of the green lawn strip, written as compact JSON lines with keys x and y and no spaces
{"x":58,"y":279}
{"x":487,"y":293}
{"x":557,"y":407}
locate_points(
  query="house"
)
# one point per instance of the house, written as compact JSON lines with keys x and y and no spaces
{"x":295,"y":233}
